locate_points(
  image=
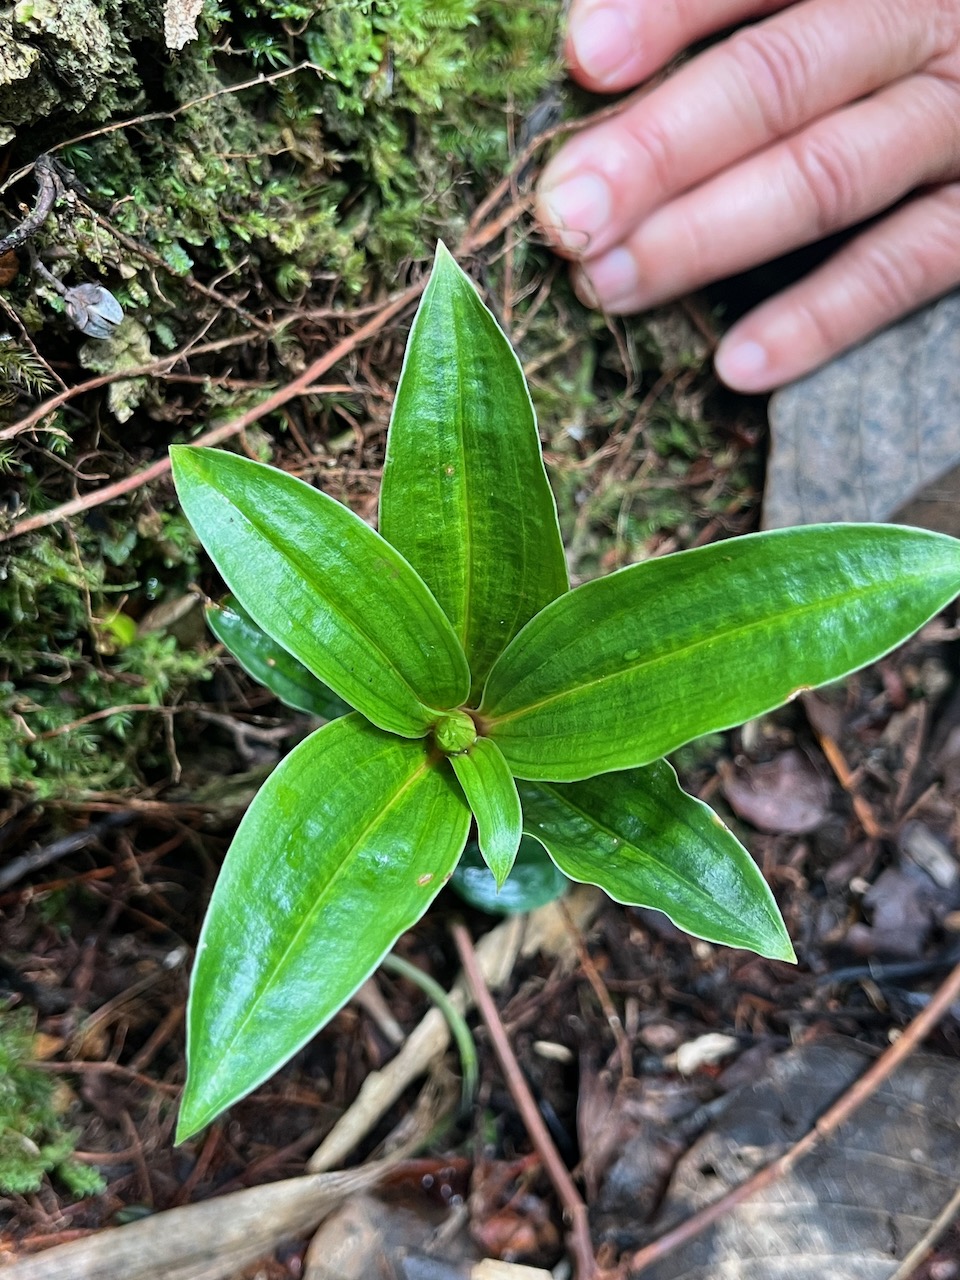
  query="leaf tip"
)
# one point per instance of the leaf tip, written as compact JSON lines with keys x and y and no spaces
{"x":786,"y":952}
{"x":188,"y":1123}
{"x":447,"y":273}
{"x":777,"y":945}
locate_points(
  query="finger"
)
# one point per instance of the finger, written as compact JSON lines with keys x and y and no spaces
{"x":763,"y":83}
{"x":835,"y":173}
{"x":614,"y":44}
{"x":897,"y":265}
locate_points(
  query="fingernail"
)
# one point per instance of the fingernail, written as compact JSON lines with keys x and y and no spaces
{"x":613,"y":280}
{"x":743,"y":365}
{"x":603,"y":41}
{"x":576,"y":210}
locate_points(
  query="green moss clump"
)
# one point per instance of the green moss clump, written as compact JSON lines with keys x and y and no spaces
{"x":33,"y":1140}
{"x":356,"y":161}
{"x":73,"y":653}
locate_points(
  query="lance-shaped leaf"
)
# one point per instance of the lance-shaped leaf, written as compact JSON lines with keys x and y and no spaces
{"x":625,"y":669}
{"x":534,"y":880}
{"x":465,"y":496}
{"x":320,"y":582}
{"x":344,"y":847}
{"x":647,"y":843}
{"x":492,"y":795}
{"x":269,"y":663}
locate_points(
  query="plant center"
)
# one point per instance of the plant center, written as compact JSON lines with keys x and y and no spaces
{"x":455,"y":733}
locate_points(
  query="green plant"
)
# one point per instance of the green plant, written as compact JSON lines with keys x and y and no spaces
{"x":484,"y":688}
{"x":33,"y":1140}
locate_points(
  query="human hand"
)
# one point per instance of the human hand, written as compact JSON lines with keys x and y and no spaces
{"x":820,"y":116}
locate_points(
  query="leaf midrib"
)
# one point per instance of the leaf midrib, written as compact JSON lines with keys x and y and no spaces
{"x":303,"y":567}
{"x":467,"y":535}
{"x":615,"y":835}
{"x":345,"y":862}
{"x":821,"y":605}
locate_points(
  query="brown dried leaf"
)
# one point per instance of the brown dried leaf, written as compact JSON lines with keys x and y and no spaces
{"x":851,"y":1209}
{"x":904,"y":904}
{"x":629,"y":1140}
{"x":785,"y":794}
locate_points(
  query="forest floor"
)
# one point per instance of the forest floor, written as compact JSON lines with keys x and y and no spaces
{"x":630,"y":1035}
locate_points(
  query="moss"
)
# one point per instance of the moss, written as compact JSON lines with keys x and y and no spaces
{"x":74,"y":653}
{"x":66,"y":56}
{"x":33,"y":1140}
{"x":346,"y":167}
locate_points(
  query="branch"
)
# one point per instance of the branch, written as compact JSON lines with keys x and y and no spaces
{"x":227,"y":430}
{"x":558,"y":1173}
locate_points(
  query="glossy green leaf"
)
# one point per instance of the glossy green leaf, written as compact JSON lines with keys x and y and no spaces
{"x":465,"y":496}
{"x":534,"y":881}
{"x":344,"y":848}
{"x":269,"y":663}
{"x":327,"y":588}
{"x":492,"y":795}
{"x":625,"y":669}
{"x":647,"y":843}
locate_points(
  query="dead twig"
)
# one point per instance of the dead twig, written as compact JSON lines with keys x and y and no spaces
{"x":592,"y":975}
{"x":155,"y":368}
{"x":227,"y":430}
{"x":579,"y":1238}
{"x":256,"y":83}
{"x":49,"y":188}
{"x":121,"y":709}
{"x":188,"y":278}
{"x":37,"y":858}
{"x":79,"y":1067}
{"x":206,"y":1241}
{"x":826,"y":1126}
{"x":838,"y":764}
{"x":26,"y":340}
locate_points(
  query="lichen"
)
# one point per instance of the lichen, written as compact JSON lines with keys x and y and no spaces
{"x":66,"y":56}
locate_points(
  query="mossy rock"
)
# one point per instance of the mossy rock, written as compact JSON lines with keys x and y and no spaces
{"x":69,"y":56}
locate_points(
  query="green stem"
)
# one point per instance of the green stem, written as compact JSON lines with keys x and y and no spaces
{"x":457,"y":1022}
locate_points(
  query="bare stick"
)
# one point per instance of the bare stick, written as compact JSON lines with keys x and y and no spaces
{"x":829,"y":1122}
{"x":600,"y":991}
{"x":558,"y":1173}
{"x":42,"y":857}
{"x":166,"y":115}
{"x":154,"y":367}
{"x":48,"y":188}
{"x":217,"y":435}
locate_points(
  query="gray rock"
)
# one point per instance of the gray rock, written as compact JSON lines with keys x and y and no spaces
{"x":875,"y":435}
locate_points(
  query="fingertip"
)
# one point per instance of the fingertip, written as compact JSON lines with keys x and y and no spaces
{"x":584,"y":289}
{"x":744,"y":364}
{"x":603,"y":46}
{"x":574,"y":211}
